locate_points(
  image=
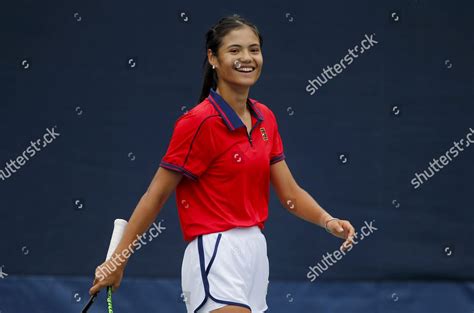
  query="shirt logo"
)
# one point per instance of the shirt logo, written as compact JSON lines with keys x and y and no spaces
{"x":264,"y":134}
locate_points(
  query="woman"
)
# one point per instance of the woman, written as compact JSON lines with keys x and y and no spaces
{"x":229,"y":150}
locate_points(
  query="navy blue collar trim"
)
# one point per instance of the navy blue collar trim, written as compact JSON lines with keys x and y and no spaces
{"x":231,"y":119}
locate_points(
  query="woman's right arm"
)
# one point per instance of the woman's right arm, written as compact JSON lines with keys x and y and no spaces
{"x":163,"y":184}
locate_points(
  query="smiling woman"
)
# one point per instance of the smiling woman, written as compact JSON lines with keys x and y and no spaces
{"x":222,"y":169}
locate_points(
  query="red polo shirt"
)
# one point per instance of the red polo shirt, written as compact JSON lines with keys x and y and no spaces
{"x":227,"y":171}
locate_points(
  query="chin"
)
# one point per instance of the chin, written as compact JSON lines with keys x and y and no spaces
{"x":245,"y":82}
{"x":242,"y":84}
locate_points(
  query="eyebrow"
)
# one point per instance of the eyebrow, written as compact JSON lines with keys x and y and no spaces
{"x":239,"y":46}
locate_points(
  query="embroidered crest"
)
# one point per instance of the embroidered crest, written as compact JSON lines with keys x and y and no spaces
{"x":264,"y":134}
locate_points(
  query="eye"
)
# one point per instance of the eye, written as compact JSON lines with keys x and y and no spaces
{"x":255,"y":50}
{"x":233,"y":50}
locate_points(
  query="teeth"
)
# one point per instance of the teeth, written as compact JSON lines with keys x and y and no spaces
{"x":245,"y":69}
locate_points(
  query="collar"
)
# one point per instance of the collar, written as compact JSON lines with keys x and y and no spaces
{"x":231,"y":119}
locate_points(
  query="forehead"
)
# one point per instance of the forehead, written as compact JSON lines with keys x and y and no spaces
{"x":241,"y":36}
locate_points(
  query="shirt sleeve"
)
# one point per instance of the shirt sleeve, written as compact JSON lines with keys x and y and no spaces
{"x":190,"y":149}
{"x":277,"y":154}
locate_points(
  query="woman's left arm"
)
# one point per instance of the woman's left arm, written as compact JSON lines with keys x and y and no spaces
{"x":301,"y":204}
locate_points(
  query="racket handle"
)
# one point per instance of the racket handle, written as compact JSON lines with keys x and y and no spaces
{"x":89,"y":303}
{"x":109,"y":300}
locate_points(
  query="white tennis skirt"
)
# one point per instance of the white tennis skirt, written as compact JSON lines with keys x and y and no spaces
{"x":226,"y":268}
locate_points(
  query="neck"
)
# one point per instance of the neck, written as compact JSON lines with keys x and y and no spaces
{"x":235,"y":97}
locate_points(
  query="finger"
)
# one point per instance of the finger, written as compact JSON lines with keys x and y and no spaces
{"x":115,"y":287}
{"x":346,"y":229}
{"x":95,"y":289}
{"x":350,"y":235}
{"x":346,"y":245}
{"x":349,"y":240}
{"x":350,"y":230}
{"x":93,"y":293}
{"x":335,"y":228}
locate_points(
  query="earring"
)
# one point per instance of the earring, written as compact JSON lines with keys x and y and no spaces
{"x":213,"y":67}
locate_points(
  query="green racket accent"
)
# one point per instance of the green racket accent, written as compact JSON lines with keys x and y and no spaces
{"x":109,"y":300}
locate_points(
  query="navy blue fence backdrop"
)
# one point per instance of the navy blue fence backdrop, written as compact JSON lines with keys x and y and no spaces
{"x":379,"y":134}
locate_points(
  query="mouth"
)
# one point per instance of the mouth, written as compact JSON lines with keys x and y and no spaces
{"x":245,"y":69}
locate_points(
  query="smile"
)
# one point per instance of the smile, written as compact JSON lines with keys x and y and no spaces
{"x":245,"y":69}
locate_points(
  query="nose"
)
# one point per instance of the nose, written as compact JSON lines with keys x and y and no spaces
{"x":245,"y":57}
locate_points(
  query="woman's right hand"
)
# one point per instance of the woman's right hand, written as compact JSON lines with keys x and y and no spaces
{"x":105,"y":276}
{"x":163,"y":184}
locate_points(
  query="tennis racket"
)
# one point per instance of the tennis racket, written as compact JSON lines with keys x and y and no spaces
{"x":119,"y":227}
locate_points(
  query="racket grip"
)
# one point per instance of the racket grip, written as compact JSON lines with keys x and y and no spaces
{"x":119,"y":228}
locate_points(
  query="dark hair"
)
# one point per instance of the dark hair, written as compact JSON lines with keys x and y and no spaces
{"x":214,"y":38}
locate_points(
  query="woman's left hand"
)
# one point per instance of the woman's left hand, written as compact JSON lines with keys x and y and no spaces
{"x":342,"y":229}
